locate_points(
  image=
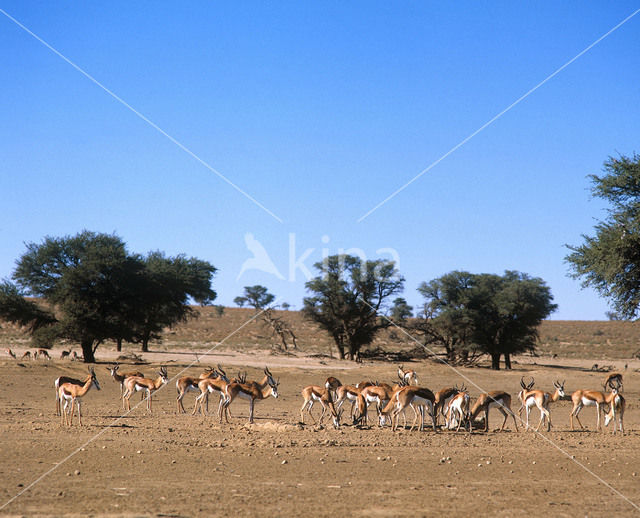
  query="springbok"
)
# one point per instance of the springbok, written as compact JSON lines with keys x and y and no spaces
{"x":72,"y":393}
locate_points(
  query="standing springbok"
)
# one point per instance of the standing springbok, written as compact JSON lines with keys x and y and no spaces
{"x":72,"y":393}
{"x":252,"y":391}
{"x":418,"y":398}
{"x":408,"y":376}
{"x":540,"y":399}
{"x":459,"y":411}
{"x":121,"y":378}
{"x":135,"y":383}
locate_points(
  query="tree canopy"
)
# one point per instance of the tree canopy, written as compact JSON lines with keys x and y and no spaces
{"x":493,"y":314}
{"x":95,"y":290}
{"x":349,"y":297}
{"x":256,"y":296}
{"x":609,"y":261}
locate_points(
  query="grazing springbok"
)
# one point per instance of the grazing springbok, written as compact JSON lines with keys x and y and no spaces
{"x":43,"y":353}
{"x":443,"y":398}
{"x":494,"y":399}
{"x":352,"y":394}
{"x":616,"y":413}
{"x":313,"y":393}
{"x":582,"y":398}
{"x":11,"y":353}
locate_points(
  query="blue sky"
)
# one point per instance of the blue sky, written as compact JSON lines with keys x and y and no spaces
{"x":319,"y":111}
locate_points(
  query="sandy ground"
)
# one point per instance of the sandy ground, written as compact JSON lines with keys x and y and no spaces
{"x":166,"y":464}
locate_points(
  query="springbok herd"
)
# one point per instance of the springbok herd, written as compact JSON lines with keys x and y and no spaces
{"x":451,"y":404}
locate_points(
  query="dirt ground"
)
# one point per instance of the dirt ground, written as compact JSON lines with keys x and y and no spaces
{"x":166,"y":464}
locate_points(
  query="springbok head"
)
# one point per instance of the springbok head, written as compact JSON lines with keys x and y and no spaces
{"x":272,"y":383}
{"x":163,"y":374}
{"x":559,"y":387}
{"x":613,"y":381}
{"x":527,"y":386}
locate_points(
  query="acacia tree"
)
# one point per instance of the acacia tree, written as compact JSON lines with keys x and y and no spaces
{"x":497,"y":315}
{"x":97,"y":291}
{"x":165,"y":287}
{"x":444,"y":320}
{"x":349,"y":298}
{"x":609,"y":261}
{"x":256,"y":296}
{"x":76,"y":277}
{"x":506,"y":312}
{"x":400,"y":311}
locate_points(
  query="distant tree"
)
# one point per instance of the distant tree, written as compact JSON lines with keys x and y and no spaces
{"x":400,"y":311}
{"x":166,"y":287}
{"x":613,"y":316}
{"x":97,"y":291}
{"x":285,"y":306}
{"x":444,"y":319}
{"x":609,"y":261}
{"x":506,"y":312}
{"x":496,"y":315}
{"x":256,"y":296}
{"x":78,"y":278}
{"x":348,"y":300}
{"x":219,"y":309}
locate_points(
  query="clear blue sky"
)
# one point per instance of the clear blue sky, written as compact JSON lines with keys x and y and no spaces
{"x":319,"y":111}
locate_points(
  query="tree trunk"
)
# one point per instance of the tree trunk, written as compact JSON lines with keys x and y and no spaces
{"x":451,"y":354}
{"x":495,"y":361}
{"x":119,"y":344}
{"x":145,"y":341}
{"x":507,"y":361}
{"x":87,"y":350}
